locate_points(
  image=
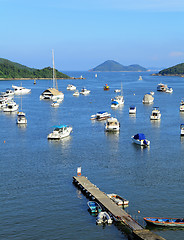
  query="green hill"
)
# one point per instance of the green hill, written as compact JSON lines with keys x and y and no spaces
{"x":11,"y":70}
{"x":175,"y":70}
{"x":114,"y":66}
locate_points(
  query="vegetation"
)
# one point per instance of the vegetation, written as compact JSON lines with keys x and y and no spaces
{"x":13,"y":70}
{"x":114,"y":66}
{"x":175,"y":70}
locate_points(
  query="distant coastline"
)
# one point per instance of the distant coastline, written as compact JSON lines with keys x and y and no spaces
{"x":167,"y":75}
{"x":10,"y":79}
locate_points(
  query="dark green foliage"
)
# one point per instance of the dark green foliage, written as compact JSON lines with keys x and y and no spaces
{"x":111,"y":65}
{"x":177,"y":69}
{"x":10,"y":69}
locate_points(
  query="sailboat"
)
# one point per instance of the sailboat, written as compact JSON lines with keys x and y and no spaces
{"x":21,"y":116}
{"x":53,"y":93}
{"x":118,"y":100}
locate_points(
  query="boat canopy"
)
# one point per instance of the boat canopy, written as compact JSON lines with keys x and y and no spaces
{"x":60,"y":126}
{"x":140,"y":136}
{"x":132,"y":107}
{"x":52,"y":91}
{"x":101,"y":112}
{"x":114,"y":102}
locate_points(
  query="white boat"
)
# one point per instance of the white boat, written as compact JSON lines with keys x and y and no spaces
{"x":60,"y":132}
{"x":155,"y":115}
{"x":117,"y":90}
{"x":11,"y":107}
{"x":118,"y":200}
{"x":140,"y":140}
{"x":112,"y":125}
{"x":103,"y":217}
{"x":55,"y":104}
{"x":114,"y":104}
{"x":161,"y":87}
{"x":148,"y":99}
{"x":3,"y":102}
{"x":20,"y":90}
{"x":132,"y":110}
{"x":71,"y":87}
{"x":152,"y":93}
{"x":118,"y":100}
{"x":103,"y":115}
{"x":96,"y":75}
{"x":84,"y":91}
{"x":53,"y":93}
{"x":169,"y":90}
{"x":182,"y":106}
{"x":140,"y":77}
{"x":182,"y":129}
{"x":76,"y":93}
{"x":21,"y":118}
{"x":9,"y":92}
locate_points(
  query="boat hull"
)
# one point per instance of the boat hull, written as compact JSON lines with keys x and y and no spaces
{"x":165,"y":222}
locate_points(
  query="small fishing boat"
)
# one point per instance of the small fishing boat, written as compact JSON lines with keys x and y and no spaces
{"x":182,"y":106}
{"x":112,"y":125}
{"x":118,"y":199}
{"x":169,"y":90}
{"x":117,"y":90}
{"x":94,"y":207}
{"x":106,"y":87}
{"x":132,"y":110}
{"x":103,"y":217}
{"x":182,"y":129}
{"x":140,"y":77}
{"x":55,"y":104}
{"x":76,"y":93}
{"x":20,"y":90}
{"x":21,"y":118}
{"x":101,"y":116}
{"x":114,"y":104}
{"x":148,"y":99}
{"x":165,"y":222}
{"x":71,"y":87}
{"x":60,"y":132}
{"x":155,"y":115}
{"x":140,"y":139}
{"x":84,"y":91}
{"x":161,"y":87}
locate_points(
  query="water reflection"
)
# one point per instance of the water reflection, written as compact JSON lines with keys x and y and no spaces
{"x":156,"y":123}
{"x":79,"y":194}
{"x":132,"y":117}
{"x":22,"y":126}
{"x":64,"y":142}
{"x":182,"y":115}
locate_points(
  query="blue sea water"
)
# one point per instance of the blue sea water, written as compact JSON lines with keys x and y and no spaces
{"x":38,"y":199}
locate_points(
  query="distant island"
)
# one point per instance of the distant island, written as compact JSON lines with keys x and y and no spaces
{"x":12,"y":70}
{"x":113,"y":66}
{"x":177,"y":70}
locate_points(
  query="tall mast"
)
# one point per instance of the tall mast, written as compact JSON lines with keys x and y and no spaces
{"x":54,"y":79}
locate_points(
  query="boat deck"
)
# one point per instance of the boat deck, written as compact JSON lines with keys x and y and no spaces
{"x":118,"y":213}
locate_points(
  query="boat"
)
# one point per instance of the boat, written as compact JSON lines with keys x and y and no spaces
{"x":119,"y":99}
{"x":96,"y":75}
{"x":103,"y":217}
{"x":117,"y":90}
{"x":52,"y":93}
{"x":20,"y":90}
{"x":161,"y":87}
{"x":59,"y":132}
{"x":114,"y":104}
{"x":76,"y":93}
{"x":21,"y":118}
{"x":9,"y":92}
{"x":71,"y":87}
{"x":55,"y":104}
{"x":132,"y":109}
{"x":94,"y":207}
{"x":34,"y":81}
{"x":118,"y":199}
{"x":112,"y":125}
{"x":182,"y":129}
{"x":11,"y":107}
{"x":84,"y":91}
{"x":106,"y":87}
{"x":155,"y":115}
{"x":148,"y":99}
{"x":140,"y":77}
{"x":182,"y":106}
{"x":140,"y":139}
{"x":103,"y":115}
{"x":152,"y":93}
{"x":165,"y":222}
{"x":169,"y":90}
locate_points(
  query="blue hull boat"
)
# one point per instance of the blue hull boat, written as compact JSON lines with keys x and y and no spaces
{"x":165,"y":222}
{"x":94,"y":207}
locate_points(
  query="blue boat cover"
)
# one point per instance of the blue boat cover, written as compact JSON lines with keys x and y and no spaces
{"x":139,"y":136}
{"x":60,"y":126}
{"x":114,"y":102}
{"x":101,"y":112}
{"x":132,"y":107}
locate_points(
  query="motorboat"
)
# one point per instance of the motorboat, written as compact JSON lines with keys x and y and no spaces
{"x":106,"y":87}
{"x":103,"y":115}
{"x":132,"y":109}
{"x":20,"y":90}
{"x":55,"y":104}
{"x":182,"y":129}
{"x":84,"y":91}
{"x":182,"y":106}
{"x":21,"y":118}
{"x":148,"y":99}
{"x":118,"y":199}
{"x":112,"y":125}
{"x":71,"y":87}
{"x":140,"y":139}
{"x":94,"y":207}
{"x":165,"y":222}
{"x":161,"y":87}
{"x":9,"y":92}
{"x":169,"y":90}
{"x":140,"y":77}
{"x":11,"y":107}
{"x":152,"y":93}
{"x":114,"y":104}
{"x":117,"y":90}
{"x":76,"y":93}
{"x":4,"y":102}
{"x":59,"y":132}
{"x":155,"y":115}
{"x":103,"y":218}
{"x":119,"y":99}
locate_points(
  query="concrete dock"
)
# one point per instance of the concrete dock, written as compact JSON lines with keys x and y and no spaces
{"x":136,"y":230}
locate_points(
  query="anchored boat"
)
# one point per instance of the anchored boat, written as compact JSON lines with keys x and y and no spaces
{"x":140,"y":139}
{"x":112,"y":125}
{"x":103,"y":217}
{"x":165,"y":222}
{"x":60,"y":132}
{"x":94,"y":207}
{"x":118,"y":200}
{"x":155,"y":115}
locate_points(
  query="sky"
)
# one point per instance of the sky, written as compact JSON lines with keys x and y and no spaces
{"x":85,"y":33}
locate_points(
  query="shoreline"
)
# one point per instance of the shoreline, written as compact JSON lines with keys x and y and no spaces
{"x":167,"y":75}
{"x":10,"y":79}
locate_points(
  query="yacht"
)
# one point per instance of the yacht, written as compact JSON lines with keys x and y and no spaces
{"x":132,"y":110}
{"x":11,"y":107}
{"x":155,"y":115}
{"x":84,"y":91}
{"x":76,"y":93}
{"x":101,"y":116}
{"x":182,"y":106}
{"x":21,"y":118}
{"x":112,"y":125}
{"x":182,"y":129}
{"x":140,"y":139}
{"x":71,"y":87}
{"x":60,"y":132}
{"x":161,"y":87}
{"x":20,"y":90}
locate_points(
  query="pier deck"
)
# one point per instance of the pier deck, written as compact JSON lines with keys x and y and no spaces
{"x":118,"y":213}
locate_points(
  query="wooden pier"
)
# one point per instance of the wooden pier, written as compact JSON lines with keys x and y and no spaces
{"x":136,"y":230}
